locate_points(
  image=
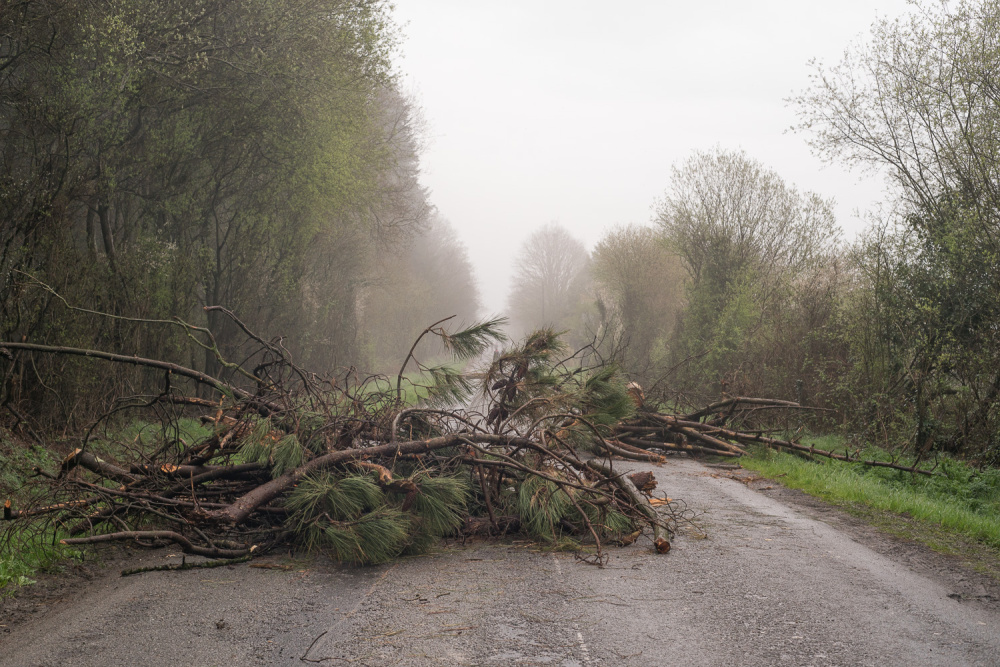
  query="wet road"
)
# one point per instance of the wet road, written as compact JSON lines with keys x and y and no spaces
{"x":772,"y":585}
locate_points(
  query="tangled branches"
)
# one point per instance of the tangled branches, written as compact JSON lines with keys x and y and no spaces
{"x":281,"y":455}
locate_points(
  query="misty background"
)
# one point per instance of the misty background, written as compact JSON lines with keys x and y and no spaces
{"x":570,"y":112}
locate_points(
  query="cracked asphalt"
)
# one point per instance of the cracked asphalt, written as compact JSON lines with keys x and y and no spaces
{"x":774,"y":583}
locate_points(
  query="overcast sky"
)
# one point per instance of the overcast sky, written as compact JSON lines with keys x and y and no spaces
{"x":575,"y":112}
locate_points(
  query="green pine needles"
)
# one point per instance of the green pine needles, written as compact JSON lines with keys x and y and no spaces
{"x":354,"y":519}
{"x":548,"y":512}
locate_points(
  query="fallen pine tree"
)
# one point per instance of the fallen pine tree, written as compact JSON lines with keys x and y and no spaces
{"x":342,"y":465}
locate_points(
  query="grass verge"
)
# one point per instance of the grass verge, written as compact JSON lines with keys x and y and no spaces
{"x":959,"y":505}
{"x":18,"y":564}
{"x":23,"y":556}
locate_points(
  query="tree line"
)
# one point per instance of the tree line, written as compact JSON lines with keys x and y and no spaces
{"x":743,"y":284}
{"x":158,"y":157}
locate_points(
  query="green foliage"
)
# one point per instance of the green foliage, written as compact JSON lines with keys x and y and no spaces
{"x":546,"y":509}
{"x":440,"y":503}
{"x":257,"y":446}
{"x":40,"y":553}
{"x":353,"y":519}
{"x":962,"y":499}
{"x":476,"y":339}
{"x":289,"y":454}
{"x":640,"y":293}
{"x":603,"y":398}
{"x":445,"y":385}
{"x":252,"y":154}
{"x":541,"y":505}
{"x":341,"y":498}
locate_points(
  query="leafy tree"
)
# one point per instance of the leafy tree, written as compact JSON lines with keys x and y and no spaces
{"x":157,"y":157}
{"x":745,"y":238}
{"x":640,"y":284}
{"x":918,"y":100}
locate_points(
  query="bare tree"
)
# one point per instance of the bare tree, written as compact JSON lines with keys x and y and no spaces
{"x":727,"y":214}
{"x":921,"y":98}
{"x":432,"y":278}
{"x":551,"y":278}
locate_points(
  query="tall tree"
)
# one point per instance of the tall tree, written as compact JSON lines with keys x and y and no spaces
{"x":744,"y":236}
{"x":161,"y":156}
{"x":640,"y":284}
{"x":918,"y":100}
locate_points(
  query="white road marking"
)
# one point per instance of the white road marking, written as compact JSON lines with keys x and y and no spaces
{"x":584,"y":650}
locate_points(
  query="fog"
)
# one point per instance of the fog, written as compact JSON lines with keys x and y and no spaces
{"x":573,"y":112}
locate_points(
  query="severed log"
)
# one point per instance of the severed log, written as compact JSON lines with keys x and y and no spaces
{"x":645,"y":481}
{"x":78,"y":457}
{"x":244,"y":506}
{"x":389,"y":483}
{"x":785,"y":444}
{"x":197,"y":376}
{"x":10,"y":514}
{"x":739,"y":400}
{"x":238,"y":471}
{"x":170,"y":470}
{"x":677,"y":447}
{"x":186,"y":545}
{"x":645,"y":431}
{"x":661,"y":536}
{"x":715,"y":443}
{"x":189,"y":400}
{"x":259,"y":403}
{"x":626,"y":451}
{"x":184,"y":565}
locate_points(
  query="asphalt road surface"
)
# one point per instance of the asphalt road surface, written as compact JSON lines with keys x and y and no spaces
{"x":775,"y":583}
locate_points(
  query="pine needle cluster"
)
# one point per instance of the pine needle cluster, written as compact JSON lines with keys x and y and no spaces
{"x":548,"y":512}
{"x":353,"y":519}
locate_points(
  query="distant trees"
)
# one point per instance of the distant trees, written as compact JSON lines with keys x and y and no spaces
{"x":639,"y":283}
{"x":551,"y":279}
{"x":746,"y":239}
{"x":428,"y":279}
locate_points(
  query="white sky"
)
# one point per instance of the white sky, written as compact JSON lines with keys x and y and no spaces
{"x":575,"y":111}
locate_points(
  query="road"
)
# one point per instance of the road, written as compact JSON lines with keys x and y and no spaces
{"x":775,"y":583}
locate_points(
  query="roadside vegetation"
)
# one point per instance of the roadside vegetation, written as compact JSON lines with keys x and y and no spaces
{"x":958,"y":498}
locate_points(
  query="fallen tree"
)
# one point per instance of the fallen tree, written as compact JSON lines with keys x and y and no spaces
{"x":342,"y":465}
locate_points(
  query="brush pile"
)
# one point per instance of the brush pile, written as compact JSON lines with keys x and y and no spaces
{"x":365,"y":469}
{"x":276,"y":455}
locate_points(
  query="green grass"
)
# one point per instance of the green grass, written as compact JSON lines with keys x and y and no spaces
{"x":21,"y":557}
{"x":960,"y":499}
{"x":145,"y":435}
{"x":16,"y":461}
{"x":414,"y":387}
{"x":20,"y":562}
